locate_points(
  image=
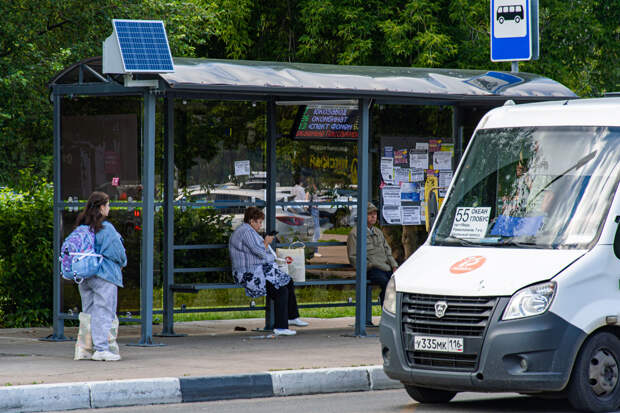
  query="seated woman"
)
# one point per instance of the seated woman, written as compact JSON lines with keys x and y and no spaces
{"x":255,"y":269}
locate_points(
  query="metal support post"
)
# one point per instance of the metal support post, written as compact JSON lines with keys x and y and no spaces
{"x":271,"y":193}
{"x":514,"y":67}
{"x":148,"y":227}
{"x":168,"y":255}
{"x":457,"y":132}
{"x":362,"y":211}
{"x":58,"y":323}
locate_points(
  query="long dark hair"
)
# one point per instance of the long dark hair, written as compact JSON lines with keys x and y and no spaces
{"x":91,"y":215}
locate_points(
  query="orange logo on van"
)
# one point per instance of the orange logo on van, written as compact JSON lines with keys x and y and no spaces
{"x":467,"y":264}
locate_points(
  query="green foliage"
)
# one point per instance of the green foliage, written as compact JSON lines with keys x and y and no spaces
{"x":580,"y":45}
{"x":26,"y":253}
{"x":200,"y":226}
{"x":26,"y":261}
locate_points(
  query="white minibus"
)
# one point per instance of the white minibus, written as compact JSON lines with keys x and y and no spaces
{"x":517,"y":288}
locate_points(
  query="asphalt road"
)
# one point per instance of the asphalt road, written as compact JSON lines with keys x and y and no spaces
{"x":387,"y":401}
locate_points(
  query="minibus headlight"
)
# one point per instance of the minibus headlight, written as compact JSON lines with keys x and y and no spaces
{"x":389,"y":302}
{"x":530,"y":301}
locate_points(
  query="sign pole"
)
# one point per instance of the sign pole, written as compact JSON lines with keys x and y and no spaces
{"x":514,"y":67}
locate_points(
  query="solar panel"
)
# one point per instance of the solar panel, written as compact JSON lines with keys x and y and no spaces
{"x":143,"y":45}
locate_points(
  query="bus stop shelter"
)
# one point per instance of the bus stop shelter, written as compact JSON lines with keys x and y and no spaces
{"x":269,"y":82}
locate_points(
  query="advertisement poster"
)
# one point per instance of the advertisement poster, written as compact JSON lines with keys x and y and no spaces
{"x":442,"y":160}
{"x":410,"y":191}
{"x":392,"y":215}
{"x":418,"y":159}
{"x":387,"y":170}
{"x":400,"y":156}
{"x":411,"y":215}
{"x":391,"y":195}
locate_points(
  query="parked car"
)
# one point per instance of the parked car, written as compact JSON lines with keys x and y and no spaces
{"x":291,"y":225}
{"x":331,"y":211}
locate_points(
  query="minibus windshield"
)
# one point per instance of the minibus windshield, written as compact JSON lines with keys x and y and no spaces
{"x":532,"y":187}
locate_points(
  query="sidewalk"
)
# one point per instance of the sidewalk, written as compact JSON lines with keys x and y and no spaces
{"x":214,"y":358}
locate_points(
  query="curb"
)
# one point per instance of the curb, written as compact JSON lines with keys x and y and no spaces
{"x":69,"y":396}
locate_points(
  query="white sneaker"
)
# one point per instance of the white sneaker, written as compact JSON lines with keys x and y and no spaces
{"x":105,"y":356}
{"x":284,"y":332}
{"x":298,"y":322}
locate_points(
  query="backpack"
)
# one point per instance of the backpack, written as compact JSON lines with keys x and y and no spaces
{"x":78,"y":259}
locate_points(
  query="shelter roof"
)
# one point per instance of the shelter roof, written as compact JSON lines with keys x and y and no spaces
{"x":302,"y":80}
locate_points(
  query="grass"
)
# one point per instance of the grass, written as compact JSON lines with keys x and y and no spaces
{"x":338,"y":231}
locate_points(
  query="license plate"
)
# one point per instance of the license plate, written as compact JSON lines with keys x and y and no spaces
{"x":440,"y":344}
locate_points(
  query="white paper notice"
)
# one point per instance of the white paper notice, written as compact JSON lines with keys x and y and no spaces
{"x":470,"y":223}
{"x":242,"y":168}
{"x":411,"y":215}
{"x":402,"y":175}
{"x":417,"y":176}
{"x":391,"y":195}
{"x":423,"y":210}
{"x":422,"y":145}
{"x":387,"y":170}
{"x":445,"y":177}
{"x":442,"y":160}
{"x":391,"y":215}
{"x":418,"y":159}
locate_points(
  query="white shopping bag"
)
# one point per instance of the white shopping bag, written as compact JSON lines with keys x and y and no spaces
{"x":296,"y":259}
{"x":280,"y":262}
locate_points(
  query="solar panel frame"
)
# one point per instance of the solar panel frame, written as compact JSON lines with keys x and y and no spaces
{"x":143,"y":46}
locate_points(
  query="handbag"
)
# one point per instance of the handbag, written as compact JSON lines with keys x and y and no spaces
{"x":295,"y":257}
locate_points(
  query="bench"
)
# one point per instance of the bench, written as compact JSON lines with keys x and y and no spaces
{"x":196,"y":287}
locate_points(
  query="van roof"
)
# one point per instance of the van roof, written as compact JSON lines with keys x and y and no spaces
{"x":577,"y":112}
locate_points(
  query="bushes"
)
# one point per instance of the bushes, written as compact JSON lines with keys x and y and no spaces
{"x":26,"y":249}
{"x":26,"y":232}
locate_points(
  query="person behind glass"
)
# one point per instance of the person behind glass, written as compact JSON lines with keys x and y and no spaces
{"x":314,"y":212}
{"x":99,"y":293}
{"x":380,"y":263}
{"x":299,"y":193}
{"x":254,"y":268}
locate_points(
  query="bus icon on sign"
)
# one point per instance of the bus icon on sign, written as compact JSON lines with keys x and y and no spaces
{"x":514,"y":12}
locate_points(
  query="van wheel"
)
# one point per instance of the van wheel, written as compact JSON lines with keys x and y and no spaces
{"x":594,"y":384}
{"x":424,"y":395}
{"x":501,"y":20}
{"x":517,"y":19}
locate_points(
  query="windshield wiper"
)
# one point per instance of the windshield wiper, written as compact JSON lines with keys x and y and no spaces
{"x":522,"y":244}
{"x":462,"y":241}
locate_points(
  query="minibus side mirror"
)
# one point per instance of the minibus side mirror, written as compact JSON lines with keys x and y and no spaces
{"x":617,"y":238}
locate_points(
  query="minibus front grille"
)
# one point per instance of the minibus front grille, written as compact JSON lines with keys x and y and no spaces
{"x":464,"y":316}
{"x":448,"y":361}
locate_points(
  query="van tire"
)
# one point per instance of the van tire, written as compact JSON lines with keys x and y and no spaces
{"x":595,"y":385}
{"x":424,"y":395}
{"x":517,"y":19}
{"x":501,"y":20}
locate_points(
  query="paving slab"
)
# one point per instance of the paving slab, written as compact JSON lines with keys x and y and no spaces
{"x":211,"y":348}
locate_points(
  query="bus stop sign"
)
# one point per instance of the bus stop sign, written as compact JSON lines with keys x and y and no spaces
{"x":514,"y":30}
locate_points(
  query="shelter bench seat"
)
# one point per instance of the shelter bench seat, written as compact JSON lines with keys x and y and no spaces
{"x":196,"y":287}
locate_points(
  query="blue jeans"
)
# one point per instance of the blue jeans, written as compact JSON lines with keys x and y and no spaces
{"x":314,"y":211}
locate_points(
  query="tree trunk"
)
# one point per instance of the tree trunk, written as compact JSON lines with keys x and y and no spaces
{"x":413,"y":237}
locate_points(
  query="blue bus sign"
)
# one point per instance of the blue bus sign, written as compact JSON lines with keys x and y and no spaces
{"x":511,"y":30}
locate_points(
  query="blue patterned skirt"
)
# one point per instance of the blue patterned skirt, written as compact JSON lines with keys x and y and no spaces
{"x":254,"y":282}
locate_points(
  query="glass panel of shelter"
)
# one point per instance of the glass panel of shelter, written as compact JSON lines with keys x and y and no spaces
{"x":101,"y":147}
